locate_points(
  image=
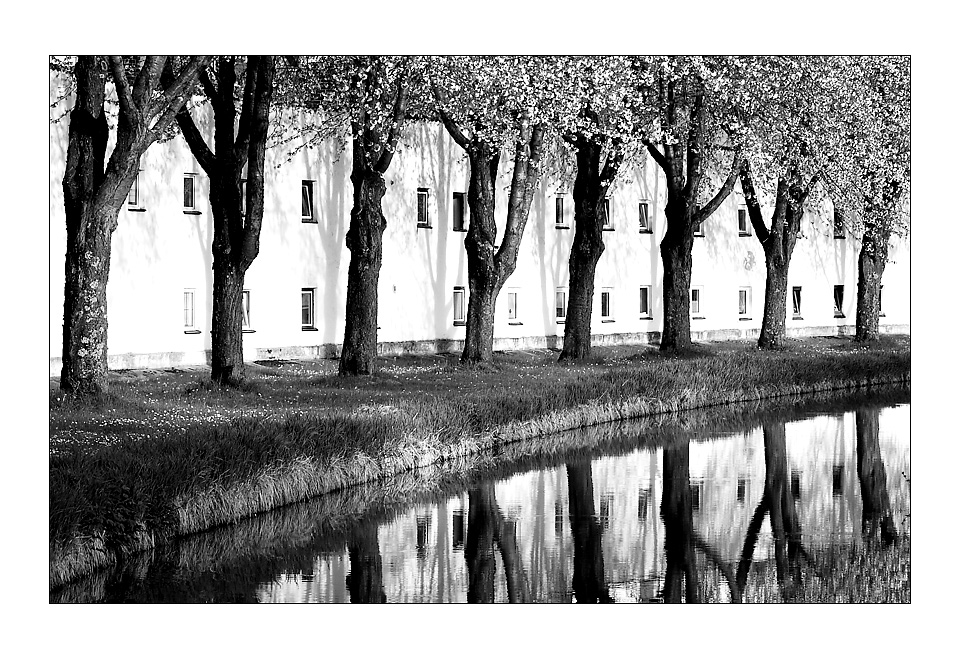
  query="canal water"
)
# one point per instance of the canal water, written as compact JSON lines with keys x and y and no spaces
{"x":726,"y":504}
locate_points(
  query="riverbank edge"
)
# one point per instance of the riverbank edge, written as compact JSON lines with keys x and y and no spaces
{"x":282,"y":484}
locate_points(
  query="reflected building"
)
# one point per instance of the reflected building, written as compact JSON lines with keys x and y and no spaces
{"x":426,"y":551}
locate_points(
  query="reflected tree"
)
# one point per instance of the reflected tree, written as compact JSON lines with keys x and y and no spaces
{"x":588,"y":582}
{"x":877,"y":517}
{"x":778,"y":502}
{"x":365,"y":580}
{"x":676,"y":510}
{"x":479,"y":553}
{"x":518,"y":587}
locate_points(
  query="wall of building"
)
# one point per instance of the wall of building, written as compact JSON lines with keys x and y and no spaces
{"x":159,"y":250}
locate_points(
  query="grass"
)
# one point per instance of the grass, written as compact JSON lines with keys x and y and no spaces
{"x":164,"y":454}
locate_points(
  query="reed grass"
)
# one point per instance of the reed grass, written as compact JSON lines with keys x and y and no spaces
{"x":251,"y":451}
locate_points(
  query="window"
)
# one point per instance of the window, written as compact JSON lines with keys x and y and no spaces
{"x":560,"y":220}
{"x":796,"y":302}
{"x":838,"y":301}
{"x":458,"y":211}
{"x":838,"y":223}
{"x":190,"y":193}
{"x":644,"y":498}
{"x":133,"y":197}
{"x":243,"y":197}
{"x":741,"y":489}
{"x":795,"y":484}
{"x":606,"y":306}
{"x":698,"y":230}
{"x":696,"y":493}
{"x":743,"y":222}
{"x":837,"y":480}
{"x":189,"y":316}
{"x":423,"y":207}
{"x":306,"y":309}
{"x":745,"y":302}
{"x":306,"y":202}
{"x":880,"y":301}
{"x":606,"y":218}
{"x":512,"y":307}
{"x":561,"y":306}
{"x":645,"y":218}
{"x":459,"y":306}
{"x":696,"y":298}
{"x":458,"y":529}
{"x":606,"y":506}
{"x":644,"y":302}
{"x":245,"y":311}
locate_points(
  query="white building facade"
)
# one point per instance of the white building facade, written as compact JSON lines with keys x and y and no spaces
{"x":161,"y":279}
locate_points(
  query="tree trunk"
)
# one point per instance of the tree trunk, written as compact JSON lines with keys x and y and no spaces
{"x":677,"y":513}
{"x":588,"y":580}
{"x":479,"y":552}
{"x":91,"y":209}
{"x":870,"y":267}
{"x":84,"y":368}
{"x":773,"y":329}
{"x":226,"y":362}
{"x":365,"y":242}
{"x":484,"y":276}
{"x":676,"y":252}
{"x":589,"y":190}
{"x":877,"y":517}
{"x":365,"y":581}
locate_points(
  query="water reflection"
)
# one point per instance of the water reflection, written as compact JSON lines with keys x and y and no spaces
{"x":700,"y":508}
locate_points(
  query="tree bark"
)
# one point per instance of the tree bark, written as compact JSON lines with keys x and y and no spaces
{"x":483,"y":275}
{"x":676,"y":253}
{"x":589,"y":585}
{"x":870,"y":267}
{"x":877,"y":517}
{"x":479,"y":551}
{"x":677,"y":513}
{"x":87,"y":263}
{"x":589,"y":191}
{"x":365,"y":242}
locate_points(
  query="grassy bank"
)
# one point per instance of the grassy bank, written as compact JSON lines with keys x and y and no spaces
{"x":165,"y":455}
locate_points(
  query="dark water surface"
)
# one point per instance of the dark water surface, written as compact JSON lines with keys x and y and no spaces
{"x":717,"y":505}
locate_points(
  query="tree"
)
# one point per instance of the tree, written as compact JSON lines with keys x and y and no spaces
{"x":597,"y":113}
{"x":485,"y":104}
{"x":693,"y":135}
{"x":95,"y":189}
{"x":886,"y":102}
{"x":238,"y":142}
{"x":797,"y":138}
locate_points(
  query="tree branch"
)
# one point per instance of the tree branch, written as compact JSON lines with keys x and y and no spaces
{"x":722,"y":194}
{"x":174,"y":96}
{"x":396,"y":123}
{"x":242,"y":142}
{"x":753,"y":204}
{"x":198,"y":146}
{"x":124,"y":97}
